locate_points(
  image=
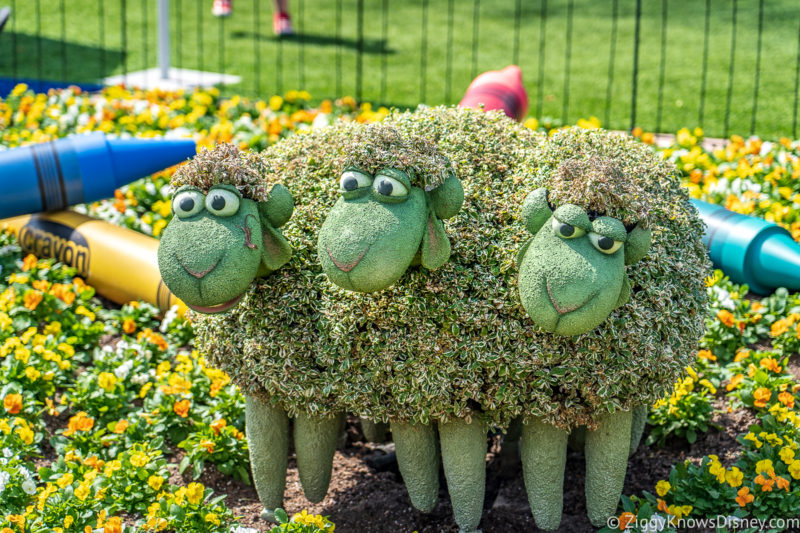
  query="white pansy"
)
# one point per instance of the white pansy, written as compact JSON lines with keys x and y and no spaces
{"x":124,"y":369}
{"x":654,"y":524}
{"x":169,"y":317}
{"x":29,"y":486}
{"x":140,"y":379}
{"x":723,"y":297}
{"x":4,"y":477}
{"x":320,"y":121}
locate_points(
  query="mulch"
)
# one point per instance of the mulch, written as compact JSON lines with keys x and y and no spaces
{"x":367,"y":494}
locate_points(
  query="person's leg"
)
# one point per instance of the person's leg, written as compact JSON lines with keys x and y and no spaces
{"x":222,"y":8}
{"x":281,"y":21}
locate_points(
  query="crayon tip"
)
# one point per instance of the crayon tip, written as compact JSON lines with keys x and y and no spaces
{"x":498,"y":89}
{"x":778,"y":262}
{"x":133,"y":159}
{"x":750,"y":250}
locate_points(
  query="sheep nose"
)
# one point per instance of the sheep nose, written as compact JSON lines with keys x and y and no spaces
{"x":350,"y":184}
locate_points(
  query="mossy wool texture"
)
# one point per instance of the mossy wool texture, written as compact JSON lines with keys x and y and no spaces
{"x":226,"y":164}
{"x":456,"y":342}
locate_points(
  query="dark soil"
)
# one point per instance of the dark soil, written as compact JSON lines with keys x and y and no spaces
{"x":367,"y":495}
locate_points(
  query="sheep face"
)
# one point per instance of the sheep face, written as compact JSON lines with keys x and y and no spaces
{"x":218,"y":243}
{"x":381,"y":225}
{"x":572,"y":272}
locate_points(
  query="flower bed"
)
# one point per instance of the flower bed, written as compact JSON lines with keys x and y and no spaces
{"x":103,"y":408}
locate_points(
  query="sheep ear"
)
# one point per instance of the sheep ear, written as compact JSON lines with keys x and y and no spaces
{"x":447,"y":198}
{"x":637,"y":244}
{"x":435,"y":244}
{"x":275,"y":249}
{"x":624,"y":293}
{"x":536,"y":210}
{"x":278,"y":207}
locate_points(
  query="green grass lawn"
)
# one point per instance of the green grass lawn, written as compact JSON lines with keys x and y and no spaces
{"x":311,"y":60}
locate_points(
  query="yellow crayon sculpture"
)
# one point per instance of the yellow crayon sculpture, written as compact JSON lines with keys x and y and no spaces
{"x":121,"y":264}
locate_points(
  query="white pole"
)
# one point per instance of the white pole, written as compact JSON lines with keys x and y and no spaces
{"x":163,"y":38}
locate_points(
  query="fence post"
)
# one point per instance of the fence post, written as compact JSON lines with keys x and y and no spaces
{"x":163,"y":38}
{"x":635,"y":62}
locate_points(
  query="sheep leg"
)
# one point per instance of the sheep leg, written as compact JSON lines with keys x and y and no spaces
{"x":637,"y":426}
{"x":607,"y":449}
{"x":268,"y":441}
{"x":315,"y":441}
{"x":373,"y":431}
{"x":577,"y":439}
{"x":544,"y":456}
{"x":577,"y":436}
{"x":418,"y":460}
{"x":464,"y":459}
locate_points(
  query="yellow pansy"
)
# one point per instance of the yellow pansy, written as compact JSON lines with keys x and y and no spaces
{"x":662,"y":488}
{"x":734,"y":477}
{"x":194,"y":493}
{"x":139,"y":459}
{"x":787,"y":455}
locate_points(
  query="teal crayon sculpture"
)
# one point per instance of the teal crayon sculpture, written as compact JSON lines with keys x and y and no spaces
{"x":83,"y":168}
{"x":750,"y":250}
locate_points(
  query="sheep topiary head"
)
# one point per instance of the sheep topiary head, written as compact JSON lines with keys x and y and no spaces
{"x":224,"y":230}
{"x":395,"y":192}
{"x":572,"y":272}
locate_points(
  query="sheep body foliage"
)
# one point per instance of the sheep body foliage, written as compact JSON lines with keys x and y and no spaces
{"x":456,"y":342}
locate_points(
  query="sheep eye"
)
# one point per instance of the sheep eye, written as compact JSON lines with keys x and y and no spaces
{"x":222,"y":202}
{"x":604,"y":244}
{"x":187,"y":203}
{"x":388,"y":186}
{"x":352,"y":180}
{"x":566,"y":231}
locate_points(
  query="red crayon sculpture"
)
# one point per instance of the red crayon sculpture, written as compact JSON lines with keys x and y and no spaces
{"x":498,"y":89}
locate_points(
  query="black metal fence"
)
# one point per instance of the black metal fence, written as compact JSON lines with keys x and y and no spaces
{"x":730,"y":66}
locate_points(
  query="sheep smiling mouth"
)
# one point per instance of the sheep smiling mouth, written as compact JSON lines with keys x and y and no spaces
{"x":198,"y":275}
{"x":347,"y":267}
{"x":217,"y":308}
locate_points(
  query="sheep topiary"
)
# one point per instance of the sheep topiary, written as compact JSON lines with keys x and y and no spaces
{"x":452,"y":351}
{"x":572,"y":275}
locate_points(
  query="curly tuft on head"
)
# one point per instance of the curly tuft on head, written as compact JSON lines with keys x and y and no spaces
{"x":225,"y":163}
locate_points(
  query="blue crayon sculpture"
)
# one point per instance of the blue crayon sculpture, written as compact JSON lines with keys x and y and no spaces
{"x":54,"y":175}
{"x":750,"y":250}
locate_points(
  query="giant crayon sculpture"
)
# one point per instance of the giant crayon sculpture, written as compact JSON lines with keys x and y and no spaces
{"x":82,"y":168}
{"x":750,"y":250}
{"x":498,"y":89}
{"x":121,"y":264}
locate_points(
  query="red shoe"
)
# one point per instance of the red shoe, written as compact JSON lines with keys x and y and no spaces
{"x":222,"y":8}
{"x":282,"y":24}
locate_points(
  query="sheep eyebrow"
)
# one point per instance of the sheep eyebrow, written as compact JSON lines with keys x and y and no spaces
{"x":247,"y":232}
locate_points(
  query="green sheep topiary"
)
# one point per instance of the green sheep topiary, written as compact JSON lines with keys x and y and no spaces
{"x":454,"y":346}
